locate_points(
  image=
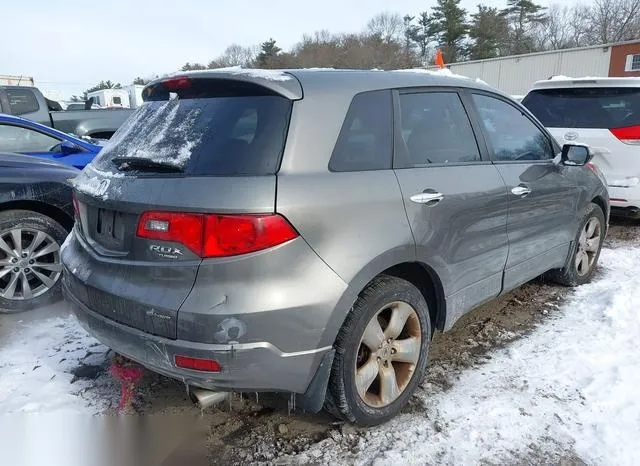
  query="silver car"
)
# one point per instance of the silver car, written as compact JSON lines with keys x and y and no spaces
{"x":307,"y":231}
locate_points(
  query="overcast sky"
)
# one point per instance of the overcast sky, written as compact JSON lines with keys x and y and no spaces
{"x":68,"y":46}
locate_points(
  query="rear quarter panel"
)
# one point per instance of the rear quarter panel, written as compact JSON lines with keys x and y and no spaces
{"x":355,"y":221}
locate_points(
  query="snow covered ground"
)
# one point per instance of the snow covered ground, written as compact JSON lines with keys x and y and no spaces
{"x":567,"y":390}
{"x":41,"y":355}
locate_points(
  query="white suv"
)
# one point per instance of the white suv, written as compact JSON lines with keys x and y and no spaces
{"x":603,"y":113}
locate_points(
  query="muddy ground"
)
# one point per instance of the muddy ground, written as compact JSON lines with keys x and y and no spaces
{"x":256,"y":429}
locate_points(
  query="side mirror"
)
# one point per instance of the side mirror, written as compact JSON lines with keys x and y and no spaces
{"x":575,"y":155}
{"x":68,"y":148}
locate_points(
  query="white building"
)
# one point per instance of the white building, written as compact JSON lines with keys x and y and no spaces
{"x":516,"y":74}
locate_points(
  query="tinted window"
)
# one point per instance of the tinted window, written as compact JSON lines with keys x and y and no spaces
{"x":512,"y":135}
{"x":22,"y":101}
{"x":212,"y":128}
{"x":18,"y":139}
{"x":604,"y":108}
{"x":365,"y":140}
{"x":117,"y":100}
{"x":435,"y":129}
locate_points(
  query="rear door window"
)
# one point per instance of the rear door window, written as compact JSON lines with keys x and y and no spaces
{"x":588,"y":108}
{"x":22,"y":101}
{"x":210,"y":128}
{"x":365,"y":141}
{"x":435,"y":130}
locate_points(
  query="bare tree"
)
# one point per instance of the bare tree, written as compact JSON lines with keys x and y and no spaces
{"x":614,"y":21}
{"x":387,"y":26}
{"x":235,"y":55}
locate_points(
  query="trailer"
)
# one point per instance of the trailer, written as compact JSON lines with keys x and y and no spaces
{"x":110,"y":98}
{"x":135,"y":95}
{"x":10,"y":80}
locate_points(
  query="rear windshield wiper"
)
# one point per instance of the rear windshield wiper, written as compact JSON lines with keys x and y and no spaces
{"x":144,"y":164}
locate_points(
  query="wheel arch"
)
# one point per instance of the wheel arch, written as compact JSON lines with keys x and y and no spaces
{"x":51,"y":211}
{"x":401,"y":263}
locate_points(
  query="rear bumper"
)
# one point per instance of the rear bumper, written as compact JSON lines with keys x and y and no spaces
{"x":258,"y":366}
{"x":624,"y":198}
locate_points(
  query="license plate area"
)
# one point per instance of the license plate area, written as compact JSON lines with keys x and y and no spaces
{"x":110,"y":228}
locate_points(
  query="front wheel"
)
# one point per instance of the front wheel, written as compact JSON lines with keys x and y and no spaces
{"x":586,"y":250}
{"x":381,"y":352}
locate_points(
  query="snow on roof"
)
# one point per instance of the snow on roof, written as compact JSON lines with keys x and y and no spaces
{"x":269,"y":75}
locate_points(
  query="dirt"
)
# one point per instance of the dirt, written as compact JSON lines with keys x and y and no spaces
{"x":260,"y":428}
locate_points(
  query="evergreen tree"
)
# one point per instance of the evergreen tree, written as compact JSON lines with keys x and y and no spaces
{"x":268,"y":52}
{"x":421,"y":34}
{"x":523,"y":17}
{"x":489,"y":33}
{"x":450,"y":28}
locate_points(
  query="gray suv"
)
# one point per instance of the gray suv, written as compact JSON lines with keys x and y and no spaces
{"x":308,"y":231}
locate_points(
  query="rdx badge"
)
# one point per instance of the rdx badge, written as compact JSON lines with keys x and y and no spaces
{"x":166,"y":251}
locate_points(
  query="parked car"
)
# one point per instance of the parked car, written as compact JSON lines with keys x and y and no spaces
{"x":36,"y":214}
{"x":22,"y":136}
{"x":29,"y":103}
{"x":317,"y":252}
{"x":605,"y":114}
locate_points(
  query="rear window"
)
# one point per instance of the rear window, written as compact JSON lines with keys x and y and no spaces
{"x":603,"y":108}
{"x":215,"y":128}
{"x":22,"y":101}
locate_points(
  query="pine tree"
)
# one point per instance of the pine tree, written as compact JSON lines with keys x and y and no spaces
{"x":421,"y":34}
{"x":450,"y":28}
{"x":489,"y":32}
{"x":523,"y":17}
{"x":268,"y":52}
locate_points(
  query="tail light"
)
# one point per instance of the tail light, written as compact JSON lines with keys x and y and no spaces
{"x":628,"y":134}
{"x":213,"y":235}
{"x":197,"y":364}
{"x":173,"y":84}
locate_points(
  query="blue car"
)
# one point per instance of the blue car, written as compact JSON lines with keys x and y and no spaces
{"x":27,"y":137}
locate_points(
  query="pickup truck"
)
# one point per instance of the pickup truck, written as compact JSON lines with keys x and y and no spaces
{"x":29,"y":103}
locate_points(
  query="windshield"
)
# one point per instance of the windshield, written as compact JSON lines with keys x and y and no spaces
{"x":585,"y":107}
{"x":207,"y":135}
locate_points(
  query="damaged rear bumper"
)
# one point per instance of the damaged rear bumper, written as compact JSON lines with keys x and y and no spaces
{"x":258,"y":366}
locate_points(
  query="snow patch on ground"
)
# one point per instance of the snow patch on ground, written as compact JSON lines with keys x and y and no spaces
{"x":39,"y":369}
{"x":567,"y":390}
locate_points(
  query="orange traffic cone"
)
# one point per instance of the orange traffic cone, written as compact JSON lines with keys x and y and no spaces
{"x":439,"y":59}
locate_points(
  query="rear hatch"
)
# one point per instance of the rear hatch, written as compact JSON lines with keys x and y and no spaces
{"x":200,"y":155}
{"x":605,"y":118}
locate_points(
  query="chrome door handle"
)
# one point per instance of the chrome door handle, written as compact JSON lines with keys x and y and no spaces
{"x":520,"y":191}
{"x":429,"y":197}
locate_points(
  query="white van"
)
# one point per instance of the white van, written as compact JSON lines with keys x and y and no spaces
{"x":603,"y":113}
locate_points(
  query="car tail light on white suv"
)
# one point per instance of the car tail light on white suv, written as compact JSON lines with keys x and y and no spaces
{"x":628,"y":135}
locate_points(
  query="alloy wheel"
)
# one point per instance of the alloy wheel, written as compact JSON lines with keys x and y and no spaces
{"x":588,"y":246}
{"x":29,"y":263}
{"x":388,"y":353}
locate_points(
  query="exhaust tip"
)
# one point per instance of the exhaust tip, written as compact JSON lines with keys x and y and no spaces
{"x":205,"y":398}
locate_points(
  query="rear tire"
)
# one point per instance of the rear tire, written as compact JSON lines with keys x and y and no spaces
{"x":586,"y":250}
{"x":30,"y":266}
{"x":381,"y":353}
